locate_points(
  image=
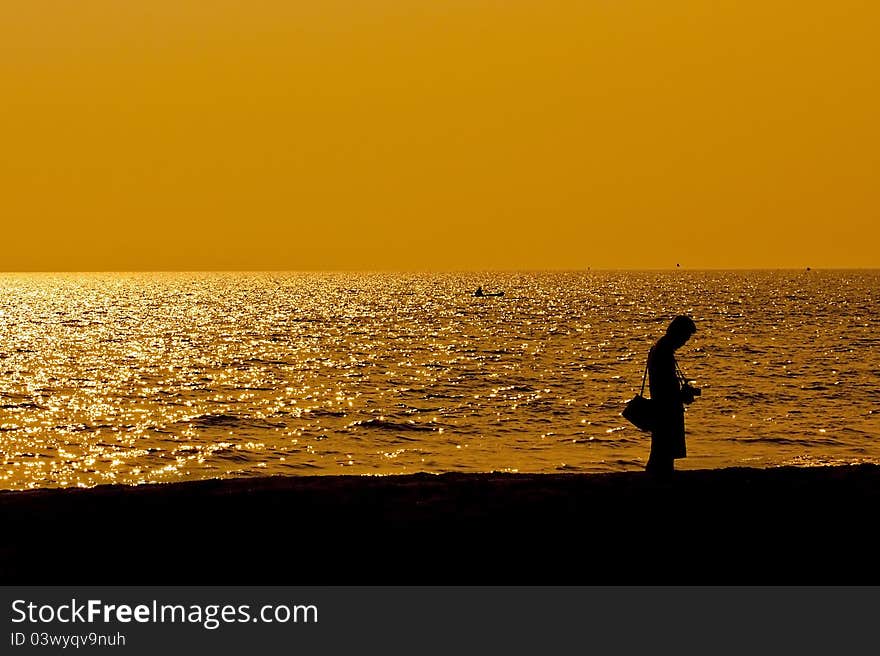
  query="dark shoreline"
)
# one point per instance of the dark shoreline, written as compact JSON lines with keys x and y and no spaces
{"x":735,"y":526}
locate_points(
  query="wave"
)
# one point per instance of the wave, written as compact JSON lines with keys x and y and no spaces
{"x":232,"y":454}
{"x":595,"y":439}
{"x":806,"y":441}
{"x":264,"y":361}
{"x":228,"y":421}
{"x":320,"y":412}
{"x":385,"y":425}
{"x":437,"y":395}
{"x":89,"y":428}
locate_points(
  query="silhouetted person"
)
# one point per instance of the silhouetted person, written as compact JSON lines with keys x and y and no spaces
{"x":480,"y":293}
{"x":669,"y":393}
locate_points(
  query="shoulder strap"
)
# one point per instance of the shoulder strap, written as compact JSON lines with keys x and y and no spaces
{"x":644,"y":378}
{"x":678,"y":371}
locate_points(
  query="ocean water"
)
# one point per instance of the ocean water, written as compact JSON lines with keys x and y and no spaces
{"x":132,"y":378}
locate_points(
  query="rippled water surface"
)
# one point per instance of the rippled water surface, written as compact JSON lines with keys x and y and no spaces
{"x":161,"y":377}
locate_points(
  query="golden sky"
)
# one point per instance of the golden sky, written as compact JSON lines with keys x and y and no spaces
{"x":439,"y":134}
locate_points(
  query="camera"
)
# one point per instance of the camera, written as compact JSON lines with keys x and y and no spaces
{"x":689,"y":393}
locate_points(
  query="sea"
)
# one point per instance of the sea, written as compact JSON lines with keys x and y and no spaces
{"x":138,"y":378}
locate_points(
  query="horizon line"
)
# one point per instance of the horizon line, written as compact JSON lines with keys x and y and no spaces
{"x":450,"y":270}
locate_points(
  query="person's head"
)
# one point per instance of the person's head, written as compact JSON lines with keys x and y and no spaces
{"x":680,"y":330}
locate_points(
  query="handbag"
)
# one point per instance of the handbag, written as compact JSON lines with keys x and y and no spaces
{"x":639,"y":411}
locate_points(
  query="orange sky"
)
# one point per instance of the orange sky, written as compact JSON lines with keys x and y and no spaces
{"x":439,"y":134}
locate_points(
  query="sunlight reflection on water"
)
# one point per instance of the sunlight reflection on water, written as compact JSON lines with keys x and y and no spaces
{"x":159,"y":377}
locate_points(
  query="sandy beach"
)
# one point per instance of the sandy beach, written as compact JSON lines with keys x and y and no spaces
{"x":730,"y":526}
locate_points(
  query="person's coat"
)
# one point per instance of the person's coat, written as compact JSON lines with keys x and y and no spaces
{"x":667,"y":437}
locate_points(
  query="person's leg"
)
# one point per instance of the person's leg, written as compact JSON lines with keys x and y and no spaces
{"x":660,"y":462}
{"x":657,"y":460}
{"x":653,"y":460}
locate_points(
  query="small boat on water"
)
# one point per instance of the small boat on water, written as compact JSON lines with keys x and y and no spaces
{"x":480,"y":293}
